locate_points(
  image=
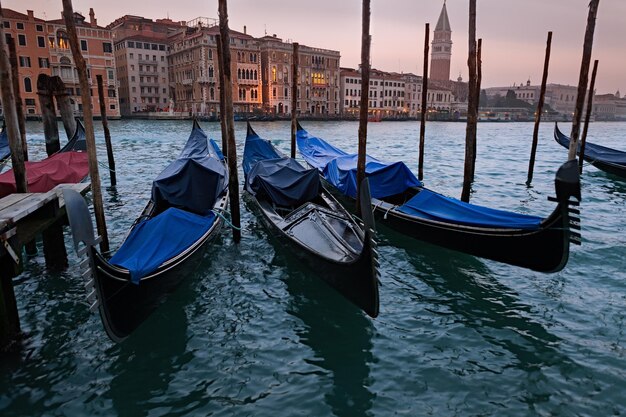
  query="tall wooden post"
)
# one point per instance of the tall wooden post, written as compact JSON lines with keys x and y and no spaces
{"x":85,"y":90}
{"x":220,"y":64}
{"x":10,"y":114}
{"x":9,"y":319}
{"x":420,"y":172}
{"x":233,"y":181}
{"x":57,"y":86}
{"x":479,"y":78}
{"x":105,"y":127}
{"x":365,"y":95}
{"x":542,"y":97}
{"x":48,"y":114}
{"x":472,"y":106}
{"x":18,"y":95}
{"x":584,"y":76}
{"x":583,"y":139}
{"x":294,"y":96}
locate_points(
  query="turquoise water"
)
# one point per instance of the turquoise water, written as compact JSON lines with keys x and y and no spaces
{"x":253,"y":333}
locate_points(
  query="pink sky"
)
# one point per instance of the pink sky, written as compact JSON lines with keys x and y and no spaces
{"x":514,"y":32}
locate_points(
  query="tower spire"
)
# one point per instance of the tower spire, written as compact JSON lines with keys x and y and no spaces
{"x":441,"y":47}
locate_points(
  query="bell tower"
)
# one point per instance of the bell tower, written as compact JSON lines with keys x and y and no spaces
{"x":441,"y":54}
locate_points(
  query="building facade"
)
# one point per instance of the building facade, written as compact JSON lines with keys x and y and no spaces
{"x":33,"y":56}
{"x":317,"y":78}
{"x":97,"y":49}
{"x":561,"y":98}
{"x":194,"y":73}
{"x":141,"y":50}
{"x":441,"y":50}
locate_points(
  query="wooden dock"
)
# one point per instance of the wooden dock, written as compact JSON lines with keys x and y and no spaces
{"x":23,"y":217}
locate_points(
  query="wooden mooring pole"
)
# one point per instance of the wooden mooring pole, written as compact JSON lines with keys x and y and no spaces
{"x":68,"y":15}
{"x":105,"y":127}
{"x":220,"y":66}
{"x":9,"y":319}
{"x":18,"y":95}
{"x":294,"y":96}
{"x":420,"y":172}
{"x":583,"y":139}
{"x":365,"y":89}
{"x":48,"y":114}
{"x":233,"y":180}
{"x":542,"y":97}
{"x":584,"y":76}
{"x":57,"y":87}
{"x":472,"y":107}
{"x":479,"y":79}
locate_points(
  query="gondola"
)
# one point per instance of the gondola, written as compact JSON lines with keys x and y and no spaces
{"x":69,"y":165}
{"x":601,"y":157}
{"x":164,"y":245}
{"x":311,"y":223}
{"x":400,"y":201}
{"x":5,"y":151}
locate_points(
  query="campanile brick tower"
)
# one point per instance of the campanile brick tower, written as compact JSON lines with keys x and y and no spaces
{"x":441,"y":48}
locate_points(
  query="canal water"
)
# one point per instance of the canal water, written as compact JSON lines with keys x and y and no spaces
{"x":253,"y":333}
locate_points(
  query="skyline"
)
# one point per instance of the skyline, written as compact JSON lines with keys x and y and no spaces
{"x":513,"y":52}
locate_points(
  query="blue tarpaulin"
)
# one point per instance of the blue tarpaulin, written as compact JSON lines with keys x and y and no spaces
{"x":194,"y":181}
{"x":154,"y":241}
{"x":284,"y":181}
{"x":4,"y":145}
{"x":256,"y":150}
{"x":595,"y":152}
{"x":339,"y":168}
{"x":192,"y":184}
{"x":429,"y":205}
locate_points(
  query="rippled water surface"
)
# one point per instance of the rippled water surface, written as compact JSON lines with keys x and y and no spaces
{"x":253,"y":333}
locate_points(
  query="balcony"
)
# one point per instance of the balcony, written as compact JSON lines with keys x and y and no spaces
{"x":187,"y":81}
{"x":206,"y":80}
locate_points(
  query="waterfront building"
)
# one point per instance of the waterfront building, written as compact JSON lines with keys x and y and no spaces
{"x":194,"y":75}
{"x":441,"y":54}
{"x":318,"y":82}
{"x":561,"y":98}
{"x":141,"y":48}
{"x":96,"y":44}
{"x":32,"y":52}
{"x":393,"y":95}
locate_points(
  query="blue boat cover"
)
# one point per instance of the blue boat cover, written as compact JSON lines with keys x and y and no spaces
{"x":4,"y":145}
{"x":216,"y":149}
{"x":196,"y":144}
{"x":192,"y":184}
{"x":429,"y":205}
{"x":284,"y":181}
{"x":158,"y":239}
{"x":595,"y":152}
{"x":257,"y":149}
{"x":194,"y":181}
{"x":281,"y":179}
{"x":339,"y":168}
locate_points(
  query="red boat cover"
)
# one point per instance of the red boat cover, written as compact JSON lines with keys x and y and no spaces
{"x":61,"y":168}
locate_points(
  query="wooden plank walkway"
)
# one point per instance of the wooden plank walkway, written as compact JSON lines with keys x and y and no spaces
{"x":25,"y":215}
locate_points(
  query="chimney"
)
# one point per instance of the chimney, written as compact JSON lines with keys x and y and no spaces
{"x":31,"y":15}
{"x":92,"y":17}
{"x":244,"y":30}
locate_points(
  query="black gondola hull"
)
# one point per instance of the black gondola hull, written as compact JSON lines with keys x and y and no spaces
{"x":356,"y":280}
{"x":123,"y":305}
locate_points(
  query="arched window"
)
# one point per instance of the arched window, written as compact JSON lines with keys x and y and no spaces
{"x":255,"y":75}
{"x":239,"y":73}
{"x":210,"y":72}
{"x":28,"y":85}
{"x":63,"y":41}
{"x":247,"y":74}
{"x":212,"y":93}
